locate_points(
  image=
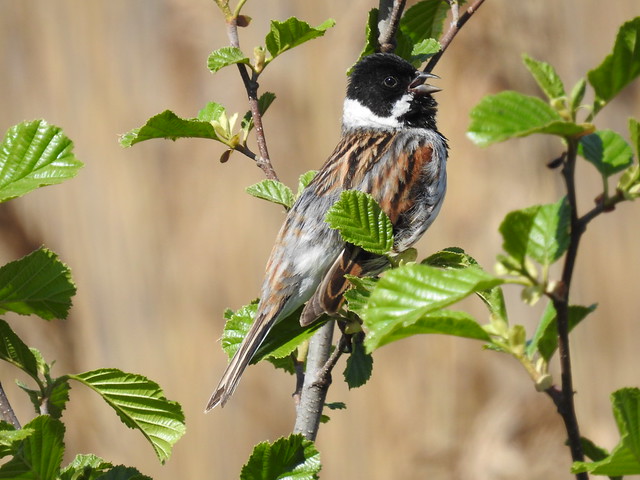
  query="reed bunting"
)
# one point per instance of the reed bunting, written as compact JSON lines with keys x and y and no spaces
{"x":390,"y":147}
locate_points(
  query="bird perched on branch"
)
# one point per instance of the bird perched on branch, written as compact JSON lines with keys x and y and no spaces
{"x":390,"y":148}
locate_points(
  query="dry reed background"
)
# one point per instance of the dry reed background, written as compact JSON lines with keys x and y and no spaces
{"x":161,"y":237}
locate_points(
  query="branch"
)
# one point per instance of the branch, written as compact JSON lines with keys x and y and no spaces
{"x":317,"y":378}
{"x":316,"y":385}
{"x":389,"y":13}
{"x":564,"y":400}
{"x":602,"y":205}
{"x":251,"y":86}
{"x":455,"y":27}
{"x":6,"y":411}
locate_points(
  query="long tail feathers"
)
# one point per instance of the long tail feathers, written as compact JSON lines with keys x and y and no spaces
{"x":249,"y":346}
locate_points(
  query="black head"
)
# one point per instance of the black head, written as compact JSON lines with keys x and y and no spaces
{"x":391,"y":89}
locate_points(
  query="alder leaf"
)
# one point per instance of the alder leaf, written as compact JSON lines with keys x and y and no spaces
{"x":32,"y":155}
{"x":291,"y":458}
{"x":140,"y":404}
{"x":225,"y":56}
{"x":292,"y":32}
{"x":620,"y":67}
{"x":38,"y":283}
{"x":361,"y":221}
{"x":511,"y":114}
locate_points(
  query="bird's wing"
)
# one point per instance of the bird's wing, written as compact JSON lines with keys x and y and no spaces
{"x":328,"y":297}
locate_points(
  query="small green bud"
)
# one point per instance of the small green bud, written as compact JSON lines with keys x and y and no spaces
{"x":352,"y":326}
{"x":544,"y":382}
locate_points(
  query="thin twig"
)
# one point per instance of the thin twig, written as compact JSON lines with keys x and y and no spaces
{"x":389,"y":13}
{"x":455,"y":11}
{"x":8,"y":415}
{"x":325,"y":372}
{"x":247,"y":152}
{"x":564,"y":400}
{"x":602,"y":206}
{"x":448,"y":37}
{"x":251,"y":86}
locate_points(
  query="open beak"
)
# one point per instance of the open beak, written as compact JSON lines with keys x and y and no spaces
{"x":419,"y":87}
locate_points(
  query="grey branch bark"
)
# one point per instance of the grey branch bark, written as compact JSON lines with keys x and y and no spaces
{"x":389,"y":13}
{"x":318,"y":372}
{"x":6,"y":411}
{"x":316,"y":383}
{"x":317,"y":377}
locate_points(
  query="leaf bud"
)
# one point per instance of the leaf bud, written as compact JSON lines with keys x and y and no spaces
{"x":258,"y":59}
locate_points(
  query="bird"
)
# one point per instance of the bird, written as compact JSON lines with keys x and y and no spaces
{"x":389,"y":147}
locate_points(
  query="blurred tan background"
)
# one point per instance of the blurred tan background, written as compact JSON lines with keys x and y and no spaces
{"x":161,"y":237}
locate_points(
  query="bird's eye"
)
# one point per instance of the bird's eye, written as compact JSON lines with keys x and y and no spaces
{"x":390,"y":82}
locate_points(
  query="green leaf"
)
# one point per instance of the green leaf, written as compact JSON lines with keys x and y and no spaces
{"x":625,"y":457}
{"x":211,"y":112}
{"x":370,"y":37}
{"x":629,"y":183}
{"x":272,"y":191}
{"x":454,"y":257}
{"x":32,"y":155}
{"x":361,"y":221}
{"x":634,"y":132}
{"x":408,"y":293}
{"x":288,"y":363}
{"x":540,"y":232}
{"x":359,"y":365}
{"x":621,"y":462}
{"x":422,"y":50}
{"x":336,"y":405}
{"x":451,"y":257}
{"x":593,"y":451}
{"x":404,"y":47}
{"x":545,"y":340}
{"x":39,"y":284}
{"x":499,"y":320}
{"x":620,"y":67}
{"x":168,"y":125}
{"x":54,"y":398}
{"x":236,"y":327}
{"x":123,"y":473}
{"x":225,"y":56}
{"x":10,"y":438}
{"x":283,"y":338}
{"x":140,"y":404}
{"x":577,"y":94}
{"x":37,"y":457}
{"x":358,"y":296}
{"x":424,"y":20}
{"x":58,"y":397}
{"x":607,"y":151}
{"x":546,"y":76}
{"x":16,"y":352}
{"x":85,"y":467}
{"x":305,"y":180}
{"x":291,"y":33}
{"x":626,"y":410}
{"x":291,"y":458}
{"x":444,"y":322}
{"x":511,"y":114}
